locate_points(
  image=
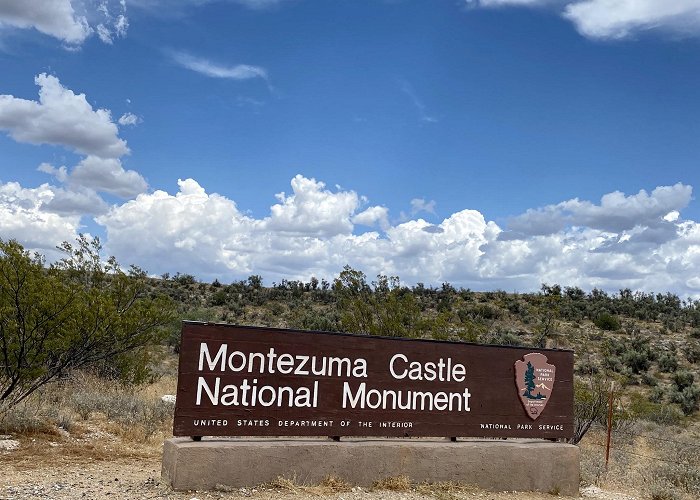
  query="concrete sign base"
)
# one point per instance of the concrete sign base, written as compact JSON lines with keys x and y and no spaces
{"x":495,"y":465}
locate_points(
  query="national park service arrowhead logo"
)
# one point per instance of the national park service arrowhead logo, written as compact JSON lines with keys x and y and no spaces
{"x":534,"y":380}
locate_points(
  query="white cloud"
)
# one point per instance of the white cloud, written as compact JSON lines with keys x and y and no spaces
{"x":312,"y":232}
{"x":129,"y":119}
{"x":616,"y":211}
{"x":69,"y":21}
{"x":615,"y":19}
{"x":214,"y":70}
{"x":75,"y":202}
{"x":420,"y":205}
{"x":640,"y":241}
{"x":621,"y":18}
{"x":64,"y":118}
{"x":22,"y":218}
{"x":373,"y":216}
{"x":313,"y":210}
{"x":108,"y":175}
{"x":55,"y":18}
{"x":60,"y":173}
{"x":61,"y":117}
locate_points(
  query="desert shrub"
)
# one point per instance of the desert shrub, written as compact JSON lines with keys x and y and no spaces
{"x":23,"y":418}
{"x":586,"y":367}
{"x":650,"y":380}
{"x":184,"y":279}
{"x":656,"y":395}
{"x":608,"y":322}
{"x":122,"y":406}
{"x":637,"y":361}
{"x":640,"y":408}
{"x":662,"y":491}
{"x":687,"y":398}
{"x":316,"y":320}
{"x":75,"y":313}
{"x":484,"y":312}
{"x":668,"y":362}
{"x":681,"y":469}
{"x":218,"y":298}
{"x":500,"y":337}
{"x":613,"y":363}
{"x":683,"y":379}
{"x":590,"y":403}
{"x":382,"y":308}
{"x":692,"y":352}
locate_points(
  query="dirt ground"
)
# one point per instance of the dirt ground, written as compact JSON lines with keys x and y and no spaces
{"x":102,"y":466}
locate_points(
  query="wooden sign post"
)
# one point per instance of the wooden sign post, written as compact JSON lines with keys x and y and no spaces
{"x":248,"y":381}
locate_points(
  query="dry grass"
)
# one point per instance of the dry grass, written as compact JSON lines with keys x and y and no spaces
{"x":446,"y":490}
{"x":396,"y":483}
{"x":328,"y":486}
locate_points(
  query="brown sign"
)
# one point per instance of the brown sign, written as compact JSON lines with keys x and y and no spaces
{"x":248,"y":381}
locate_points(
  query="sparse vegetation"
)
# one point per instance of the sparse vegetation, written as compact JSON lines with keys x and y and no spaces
{"x":645,"y":344}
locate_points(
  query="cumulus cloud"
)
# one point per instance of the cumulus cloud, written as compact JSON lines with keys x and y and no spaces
{"x":624,"y":241}
{"x":109,"y":176}
{"x":615,"y":19}
{"x":22,"y":218}
{"x":615,"y":213}
{"x":74,"y":202}
{"x":61,"y":117}
{"x":69,"y":21}
{"x":313,"y":210}
{"x":373,"y":216}
{"x":214,"y":70}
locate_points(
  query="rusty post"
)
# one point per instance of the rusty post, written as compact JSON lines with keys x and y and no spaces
{"x":610,"y":420}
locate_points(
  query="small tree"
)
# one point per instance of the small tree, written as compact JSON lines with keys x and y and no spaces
{"x":385,"y":308}
{"x":590,"y":403}
{"x":76,"y":313}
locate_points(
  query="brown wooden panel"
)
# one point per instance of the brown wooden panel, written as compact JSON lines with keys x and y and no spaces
{"x":266,"y":370}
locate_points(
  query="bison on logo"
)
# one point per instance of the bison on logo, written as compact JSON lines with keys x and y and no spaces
{"x":534,"y":380}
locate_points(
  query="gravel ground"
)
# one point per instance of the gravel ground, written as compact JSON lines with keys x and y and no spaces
{"x":139,"y":478}
{"x":106,"y":468}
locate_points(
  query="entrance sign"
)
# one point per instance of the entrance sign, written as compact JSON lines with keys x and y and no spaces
{"x":250,"y":381}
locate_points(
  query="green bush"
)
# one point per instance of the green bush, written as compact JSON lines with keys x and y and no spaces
{"x":637,"y":361}
{"x":608,"y":322}
{"x":668,"y":362}
{"x":501,"y":338}
{"x":663,"y":414}
{"x":683,"y":379}
{"x":692,"y":353}
{"x":77,"y":313}
{"x":688,"y":399}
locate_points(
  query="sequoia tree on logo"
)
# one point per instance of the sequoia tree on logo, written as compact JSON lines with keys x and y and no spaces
{"x":534,"y":380}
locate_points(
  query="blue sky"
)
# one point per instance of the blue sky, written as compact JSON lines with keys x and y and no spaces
{"x":492,"y":143}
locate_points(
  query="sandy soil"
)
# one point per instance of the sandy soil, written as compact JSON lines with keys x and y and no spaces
{"x":96,"y":467}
